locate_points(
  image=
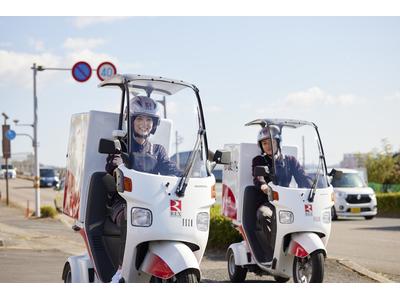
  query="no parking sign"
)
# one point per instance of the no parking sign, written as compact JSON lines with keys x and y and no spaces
{"x":106,"y":70}
{"x":81,"y":71}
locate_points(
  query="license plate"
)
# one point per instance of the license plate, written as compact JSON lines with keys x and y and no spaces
{"x":355,"y":210}
{"x":49,"y":184}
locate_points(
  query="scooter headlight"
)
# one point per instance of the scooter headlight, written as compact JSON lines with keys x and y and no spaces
{"x":202,"y":221}
{"x":286,"y":217}
{"x":141,"y":217}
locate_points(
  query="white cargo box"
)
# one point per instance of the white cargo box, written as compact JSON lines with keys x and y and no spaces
{"x":83,"y":158}
{"x":238,"y":175}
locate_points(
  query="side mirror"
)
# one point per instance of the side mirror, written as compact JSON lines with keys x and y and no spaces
{"x":261,"y":171}
{"x":222,"y":157}
{"x":107,"y":147}
{"x":335,"y":173}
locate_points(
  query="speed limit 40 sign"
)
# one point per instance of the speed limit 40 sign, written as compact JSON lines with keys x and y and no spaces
{"x":106,"y":70}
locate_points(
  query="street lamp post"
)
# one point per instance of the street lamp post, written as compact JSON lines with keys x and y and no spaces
{"x":36,"y":173}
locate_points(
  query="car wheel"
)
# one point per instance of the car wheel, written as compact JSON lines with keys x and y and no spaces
{"x":333,"y":213}
{"x":369,"y":217}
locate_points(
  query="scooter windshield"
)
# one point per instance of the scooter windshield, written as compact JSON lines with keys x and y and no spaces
{"x":163,"y":128}
{"x":298,"y":159}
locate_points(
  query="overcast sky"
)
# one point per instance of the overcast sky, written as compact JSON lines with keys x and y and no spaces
{"x":343,"y":73}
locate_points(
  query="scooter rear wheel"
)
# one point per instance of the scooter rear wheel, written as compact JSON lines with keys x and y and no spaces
{"x":236,"y":273}
{"x":186,"y":276}
{"x":309,"y":269}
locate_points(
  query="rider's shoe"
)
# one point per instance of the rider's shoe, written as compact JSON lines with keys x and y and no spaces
{"x":117,"y":277}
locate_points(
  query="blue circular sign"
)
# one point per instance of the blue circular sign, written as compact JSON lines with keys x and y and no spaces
{"x":81,"y":71}
{"x":10,"y":134}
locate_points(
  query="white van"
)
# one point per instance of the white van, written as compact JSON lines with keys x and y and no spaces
{"x":353,"y":197}
{"x":11,"y":171}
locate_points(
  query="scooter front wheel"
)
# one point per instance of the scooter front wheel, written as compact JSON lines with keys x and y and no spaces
{"x":186,"y":276}
{"x":236,"y":273}
{"x":309,"y":269}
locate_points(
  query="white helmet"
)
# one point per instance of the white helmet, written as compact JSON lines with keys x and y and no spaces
{"x":266,"y":132}
{"x":145,"y":106}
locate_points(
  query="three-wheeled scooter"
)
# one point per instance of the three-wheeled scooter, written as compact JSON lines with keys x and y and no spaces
{"x":167,"y":216}
{"x":285,"y":233}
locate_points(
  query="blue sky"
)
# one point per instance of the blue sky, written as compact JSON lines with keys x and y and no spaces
{"x":340,"y":72}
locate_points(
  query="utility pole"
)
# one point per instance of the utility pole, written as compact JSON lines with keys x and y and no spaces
{"x":36,"y":172}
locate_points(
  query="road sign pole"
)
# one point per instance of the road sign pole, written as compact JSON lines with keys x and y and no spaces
{"x":6,"y":153}
{"x":36,"y":180}
{"x":7,"y":201}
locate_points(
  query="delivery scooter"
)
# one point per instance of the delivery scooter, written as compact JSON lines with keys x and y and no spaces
{"x":285,"y":233}
{"x":167,"y":216}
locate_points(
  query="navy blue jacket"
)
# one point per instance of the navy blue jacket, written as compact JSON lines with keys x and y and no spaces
{"x":286,"y":167}
{"x":149,"y":158}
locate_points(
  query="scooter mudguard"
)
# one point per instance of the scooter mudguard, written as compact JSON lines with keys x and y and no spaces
{"x":304,"y":243}
{"x":164,"y":259}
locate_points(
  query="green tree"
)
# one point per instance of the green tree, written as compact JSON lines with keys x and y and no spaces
{"x":382,"y":166}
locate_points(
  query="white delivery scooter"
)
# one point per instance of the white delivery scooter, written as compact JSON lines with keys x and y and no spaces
{"x":167,"y":216}
{"x":288,"y":237}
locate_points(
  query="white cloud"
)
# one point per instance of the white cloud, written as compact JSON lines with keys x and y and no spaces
{"x":80,"y":43}
{"x":316,"y":96}
{"x":38,"y":45}
{"x":395,"y":97}
{"x":82,"y":22}
{"x":15,"y":67}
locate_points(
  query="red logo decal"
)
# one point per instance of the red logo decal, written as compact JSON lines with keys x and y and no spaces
{"x":308,"y":209}
{"x":175,"y":207}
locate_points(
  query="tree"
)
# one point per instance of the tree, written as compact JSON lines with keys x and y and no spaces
{"x":383,"y":167}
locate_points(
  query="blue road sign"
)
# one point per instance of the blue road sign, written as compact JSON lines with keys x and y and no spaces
{"x":10,"y":134}
{"x":81,"y":71}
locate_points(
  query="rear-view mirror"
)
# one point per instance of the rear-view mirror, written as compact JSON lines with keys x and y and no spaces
{"x":222,"y":157}
{"x":107,"y":147}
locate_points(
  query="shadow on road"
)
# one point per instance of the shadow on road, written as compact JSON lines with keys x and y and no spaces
{"x":387,"y":228}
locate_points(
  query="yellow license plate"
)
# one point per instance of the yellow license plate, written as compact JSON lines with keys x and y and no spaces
{"x":355,"y":210}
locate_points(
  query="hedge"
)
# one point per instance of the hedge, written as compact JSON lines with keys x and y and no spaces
{"x":388,"y":204}
{"x":222,"y":233}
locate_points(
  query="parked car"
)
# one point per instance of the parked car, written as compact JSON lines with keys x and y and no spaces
{"x":353,"y":197}
{"x":48,"y":177}
{"x":11,"y":172}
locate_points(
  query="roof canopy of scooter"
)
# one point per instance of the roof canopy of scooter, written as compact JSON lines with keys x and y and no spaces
{"x":280,"y":123}
{"x":151,"y":84}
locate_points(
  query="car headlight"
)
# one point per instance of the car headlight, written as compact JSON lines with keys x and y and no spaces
{"x":202,"y":221}
{"x":286,"y":217}
{"x":340,"y":194}
{"x":326,"y":216}
{"x":141,"y":217}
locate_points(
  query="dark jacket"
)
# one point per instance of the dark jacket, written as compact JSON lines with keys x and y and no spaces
{"x":286,"y":167}
{"x":149,"y":158}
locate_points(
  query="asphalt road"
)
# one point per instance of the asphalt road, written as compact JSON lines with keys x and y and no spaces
{"x":35,"y":250}
{"x":372,"y":244}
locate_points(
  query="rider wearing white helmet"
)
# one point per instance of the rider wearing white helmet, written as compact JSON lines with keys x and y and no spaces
{"x":146,"y":157}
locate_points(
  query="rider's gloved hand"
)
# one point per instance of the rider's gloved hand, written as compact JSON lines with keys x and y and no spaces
{"x":267,"y":190}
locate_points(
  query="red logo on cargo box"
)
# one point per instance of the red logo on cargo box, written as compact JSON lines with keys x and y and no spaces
{"x":175,"y":207}
{"x":308,"y":209}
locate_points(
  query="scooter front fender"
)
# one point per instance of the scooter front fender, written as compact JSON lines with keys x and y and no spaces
{"x":164,"y":259}
{"x":304,"y":243}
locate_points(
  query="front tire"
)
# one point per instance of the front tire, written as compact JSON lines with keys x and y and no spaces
{"x":309,"y":269}
{"x":369,"y":217}
{"x":67,"y":274}
{"x":236,"y":273}
{"x":186,"y":276}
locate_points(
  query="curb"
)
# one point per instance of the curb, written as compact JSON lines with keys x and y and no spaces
{"x":362,"y":270}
